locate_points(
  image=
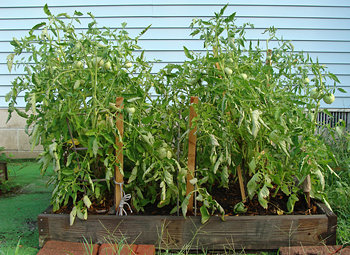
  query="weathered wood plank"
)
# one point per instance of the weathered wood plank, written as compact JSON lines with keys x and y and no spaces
{"x":3,"y":171}
{"x":331,"y":235}
{"x":176,"y":232}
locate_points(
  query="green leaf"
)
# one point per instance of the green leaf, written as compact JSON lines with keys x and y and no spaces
{"x":91,"y":15}
{"x":342,"y":90}
{"x":10,"y":58}
{"x":184,"y":204}
{"x":144,"y":31}
{"x":252,"y":185}
{"x":133,"y":174}
{"x":22,"y":114}
{"x":168,"y":178}
{"x":217,"y":164}
{"x":239,"y":208}
{"x":205,"y":214}
{"x":332,"y":171}
{"x":77,"y":13}
{"x":262,"y":195}
{"x":95,"y":146}
{"x":97,"y":192}
{"x":76,"y":84}
{"x":285,"y":189}
{"x":214,"y":142}
{"x":291,"y":202}
{"x":187,"y":53}
{"x":37,"y":26}
{"x":80,"y":214}
{"x":69,"y":159}
{"x":195,"y":32}
{"x":194,"y":181}
{"x":225,"y":176}
{"x":223,"y":10}
{"x":230,"y":18}
{"x":64,"y":15}
{"x":320,"y":177}
{"x":252,"y":165}
{"x":47,"y":11}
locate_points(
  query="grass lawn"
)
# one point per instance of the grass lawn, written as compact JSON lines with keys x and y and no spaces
{"x":19,"y":209}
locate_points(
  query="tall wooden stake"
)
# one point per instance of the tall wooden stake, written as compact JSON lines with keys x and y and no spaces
{"x":119,"y":154}
{"x":307,"y":190}
{"x":241,"y":183}
{"x":192,"y":139}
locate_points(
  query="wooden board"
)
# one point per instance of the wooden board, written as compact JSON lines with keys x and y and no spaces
{"x":3,"y":171}
{"x":175,"y":232}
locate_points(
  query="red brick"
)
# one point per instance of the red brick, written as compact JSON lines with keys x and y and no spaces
{"x":143,"y":249}
{"x":114,"y":249}
{"x":63,"y":248}
{"x":319,"y":250}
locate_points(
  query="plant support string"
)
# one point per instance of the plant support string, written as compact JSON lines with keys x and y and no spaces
{"x":123,"y":200}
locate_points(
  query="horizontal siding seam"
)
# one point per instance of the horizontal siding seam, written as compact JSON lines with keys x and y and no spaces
{"x":179,"y":4}
{"x":187,"y":28}
{"x":179,"y":16}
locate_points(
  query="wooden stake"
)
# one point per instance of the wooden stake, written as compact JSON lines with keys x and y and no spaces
{"x":192,"y":139}
{"x":268,"y":57}
{"x":307,"y":190}
{"x":119,"y":154}
{"x":241,"y":183}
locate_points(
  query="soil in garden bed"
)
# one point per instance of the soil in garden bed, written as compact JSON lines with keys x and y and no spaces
{"x":226,"y":197}
{"x":277,"y":205}
{"x":229,"y":197}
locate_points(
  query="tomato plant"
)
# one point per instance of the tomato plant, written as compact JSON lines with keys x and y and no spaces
{"x":70,"y":85}
{"x":257,"y":112}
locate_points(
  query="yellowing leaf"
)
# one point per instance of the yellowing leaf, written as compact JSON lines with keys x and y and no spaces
{"x":87,"y":201}
{"x":10,"y":58}
{"x":72,"y":216}
{"x":256,"y":122}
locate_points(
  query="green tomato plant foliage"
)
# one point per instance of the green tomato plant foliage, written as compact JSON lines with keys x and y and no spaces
{"x":255,"y":111}
{"x":70,"y":86}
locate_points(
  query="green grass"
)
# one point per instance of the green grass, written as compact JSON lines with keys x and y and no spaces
{"x":19,"y":209}
{"x":337,"y":188}
{"x":338,"y":192}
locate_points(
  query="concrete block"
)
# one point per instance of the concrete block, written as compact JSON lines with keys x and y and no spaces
{"x":15,"y":122}
{"x":9,"y":139}
{"x":24,"y":144}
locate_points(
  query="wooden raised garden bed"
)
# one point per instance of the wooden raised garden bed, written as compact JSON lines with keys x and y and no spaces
{"x":176,"y":232}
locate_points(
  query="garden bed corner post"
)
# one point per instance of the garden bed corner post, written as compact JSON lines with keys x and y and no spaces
{"x":118,"y":193}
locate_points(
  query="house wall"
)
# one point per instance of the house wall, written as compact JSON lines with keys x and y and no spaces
{"x":320,"y":28}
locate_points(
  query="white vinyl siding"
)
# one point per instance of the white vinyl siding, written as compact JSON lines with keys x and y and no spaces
{"x":320,"y":28}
